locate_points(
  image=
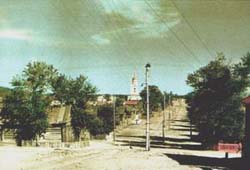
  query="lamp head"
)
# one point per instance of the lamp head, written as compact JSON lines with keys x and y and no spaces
{"x":148,"y":66}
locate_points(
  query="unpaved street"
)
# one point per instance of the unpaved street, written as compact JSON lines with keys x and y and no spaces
{"x":100,"y":155}
{"x":127,"y":153}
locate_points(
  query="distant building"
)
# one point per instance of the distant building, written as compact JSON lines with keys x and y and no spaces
{"x":132,"y":102}
{"x":59,"y":130}
{"x":134,"y":94}
{"x":101,"y":99}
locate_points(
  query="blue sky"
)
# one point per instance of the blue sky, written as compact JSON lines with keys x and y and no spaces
{"x":107,"y":40}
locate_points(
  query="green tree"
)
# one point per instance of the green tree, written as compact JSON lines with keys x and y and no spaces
{"x":95,"y":125}
{"x":155,"y":98}
{"x":76,"y":92}
{"x":61,"y":86}
{"x":105,"y":113}
{"x":214,"y":105}
{"x":169,"y":97}
{"x":119,"y":100}
{"x":241,"y":72}
{"x":107,"y":97}
{"x":25,"y":107}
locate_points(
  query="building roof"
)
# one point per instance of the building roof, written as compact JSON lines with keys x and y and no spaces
{"x":246,"y":101}
{"x":59,"y":114}
{"x":131,"y":102}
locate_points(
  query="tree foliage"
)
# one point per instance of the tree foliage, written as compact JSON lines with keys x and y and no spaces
{"x":155,"y":98}
{"x":76,"y":92}
{"x":214,"y":105}
{"x":105,"y":113}
{"x":25,"y":107}
{"x":169,"y":97}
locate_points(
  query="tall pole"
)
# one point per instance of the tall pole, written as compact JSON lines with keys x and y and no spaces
{"x":114,"y":125}
{"x":169,"y":114}
{"x":164,"y":119}
{"x":147,"y":123}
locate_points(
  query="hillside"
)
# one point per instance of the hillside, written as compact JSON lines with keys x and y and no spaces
{"x":4,"y":91}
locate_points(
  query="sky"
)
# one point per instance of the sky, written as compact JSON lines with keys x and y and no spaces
{"x":109,"y":40}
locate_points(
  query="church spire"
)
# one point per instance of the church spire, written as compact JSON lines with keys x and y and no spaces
{"x":134,"y":94}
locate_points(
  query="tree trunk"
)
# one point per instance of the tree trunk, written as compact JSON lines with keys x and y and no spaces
{"x":19,"y":142}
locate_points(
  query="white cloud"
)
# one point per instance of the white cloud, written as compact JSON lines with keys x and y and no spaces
{"x":99,"y":39}
{"x":132,"y":9}
{"x":3,"y":21}
{"x":148,"y":22}
{"x":14,"y":34}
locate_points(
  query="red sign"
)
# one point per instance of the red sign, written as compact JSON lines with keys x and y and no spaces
{"x":230,"y":148}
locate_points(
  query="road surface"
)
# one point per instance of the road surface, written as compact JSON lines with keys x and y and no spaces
{"x":127,"y":153}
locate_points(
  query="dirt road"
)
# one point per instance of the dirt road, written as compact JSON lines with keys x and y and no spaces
{"x":100,"y":155}
{"x":127,"y":153}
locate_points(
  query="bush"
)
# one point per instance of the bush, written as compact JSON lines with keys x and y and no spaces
{"x":105,"y":113}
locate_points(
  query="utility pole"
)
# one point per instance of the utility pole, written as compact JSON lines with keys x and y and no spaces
{"x":114,"y":125}
{"x":169,"y":114}
{"x":164,"y":119}
{"x":191,"y":128}
{"x":147,"y":123}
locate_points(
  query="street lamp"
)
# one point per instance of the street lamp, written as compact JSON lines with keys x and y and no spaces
{"x":147,"y":123}
{"x":114,"y":120}
{"x":164,"y":118}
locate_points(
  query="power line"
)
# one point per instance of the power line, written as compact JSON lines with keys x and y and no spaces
{"x":119,"y":37}
{"x":176,"y":36}
{"x":172,"y":54}
{"x":120,"y":23}
{"x":74,"y":24}
{"x":192,"y":28}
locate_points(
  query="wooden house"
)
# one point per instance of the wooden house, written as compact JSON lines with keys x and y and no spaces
{"x":59,"y":118}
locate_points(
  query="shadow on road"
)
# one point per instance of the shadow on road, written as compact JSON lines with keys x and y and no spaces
{"x":184,"y":141}
{"x":180,"y":139}
{"x":183,"y":120}
{"x":157,"y":142}
{"x":209,"y":163}
{"x":183,"y":126}
{"x":158,"y":138}
{"x":180,"y":129}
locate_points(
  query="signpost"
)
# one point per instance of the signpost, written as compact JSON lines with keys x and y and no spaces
{"x":229,"y":148}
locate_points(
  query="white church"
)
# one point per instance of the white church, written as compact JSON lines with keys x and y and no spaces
{"x":134,"y":94}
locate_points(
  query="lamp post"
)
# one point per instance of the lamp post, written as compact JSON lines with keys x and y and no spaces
{"x":114,"y":120}
{"x":169,"y":114}
{"x":147,"y":123}
{"x":164,"y":119}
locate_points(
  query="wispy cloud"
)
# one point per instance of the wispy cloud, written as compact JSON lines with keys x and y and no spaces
{"x":2,"y":20}
{"x":15,"y":34}
{"x":99,"y":39}
{"x":148,"y":24}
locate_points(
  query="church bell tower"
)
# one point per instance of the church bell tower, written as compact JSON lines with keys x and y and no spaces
{"x":134,"y":94}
